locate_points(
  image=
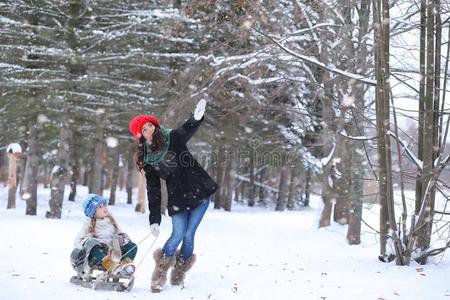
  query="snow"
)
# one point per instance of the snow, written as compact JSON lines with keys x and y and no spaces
{"x":10,"y":66}
{"x":327,"y":159}
{"x":314,"y":61}
{"x":411,"y":155}
{"x":56,"y":169}
{"x":43,"y":119}
{"x":26,"y":196}
{"x":14,"y":147}
{"x":250,"y":253}
{"x":8,"y":21}
{"x":112,"y":142}
{"x":348,"y":101}
{"x":360,"y":138}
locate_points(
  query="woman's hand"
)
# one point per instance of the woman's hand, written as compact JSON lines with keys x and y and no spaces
{"x":154,"y":229}
{"x":199,"y":110}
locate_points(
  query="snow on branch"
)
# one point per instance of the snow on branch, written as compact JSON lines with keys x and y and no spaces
{"x":326,"y":160}
{"x":314,"y":61}
{"x":357,"y":138}
{"x":411,"y":155}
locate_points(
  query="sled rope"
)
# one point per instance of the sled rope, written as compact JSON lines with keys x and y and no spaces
{"x":146,"y":253}
{"x":140,"y":242}
{"x":148,"y":250}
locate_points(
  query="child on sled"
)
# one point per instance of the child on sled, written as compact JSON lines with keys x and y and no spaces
{"x":101,"y":244}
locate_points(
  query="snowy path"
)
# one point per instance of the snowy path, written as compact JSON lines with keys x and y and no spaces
{"x":256,"y":254}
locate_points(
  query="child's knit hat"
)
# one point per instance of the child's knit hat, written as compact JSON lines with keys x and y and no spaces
{"x":91,"y":203}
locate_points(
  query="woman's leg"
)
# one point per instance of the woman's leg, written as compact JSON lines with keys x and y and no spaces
{"x":179,"y":226}
{"x":186,"y":258}
{"x":194,"y":218}
{"x":165,"y":257}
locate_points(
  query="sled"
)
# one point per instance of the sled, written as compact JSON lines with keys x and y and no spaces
{"x":102,"y":280}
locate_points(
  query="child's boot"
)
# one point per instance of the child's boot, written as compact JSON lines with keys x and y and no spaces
{"x":111,"y":266}
{"x":127,"y":267}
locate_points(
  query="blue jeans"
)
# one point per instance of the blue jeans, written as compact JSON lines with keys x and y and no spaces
{"x":184,"y":226}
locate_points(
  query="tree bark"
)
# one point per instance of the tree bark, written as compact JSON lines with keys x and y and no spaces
{"x":12,"y":181}
{"x":220,"y":172}
{"x":282,"y":189}
{"x":429,"y":136}
{"x":59,"y":172}
{"x":382,"y":71}
{"x":307,"y":181}
{"x":114,"y":174}
{"x":228,"y":182}
{"x":292,"y":188}
{"x":261,"y":191}
{"x":343,"y":184}
{"x":75,"y":165}
{"x":252,"y":187}
{"x":130,"y":171}
{"x":98,"y":159}
{"x":31,"y":169}
{"x":141,"y":196}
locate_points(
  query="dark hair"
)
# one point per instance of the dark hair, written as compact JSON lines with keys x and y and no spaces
{"x":157,"y":144}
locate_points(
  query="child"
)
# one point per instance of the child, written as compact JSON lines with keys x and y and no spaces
{"x":101,"y":243}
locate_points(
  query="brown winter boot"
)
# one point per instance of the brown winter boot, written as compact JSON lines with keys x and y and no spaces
{"x":111,"y":266}
{"x":181,"y":267}
{"x":162,"y":265}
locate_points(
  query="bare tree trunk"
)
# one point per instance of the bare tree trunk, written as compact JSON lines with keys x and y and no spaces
{"x":328,"y":179}
{"x":220,"y":173}
{"x":328,"y":133}
{"x":252,"y":187}
{"x":357,"y":167}
{"x":114,"y":174}
{"x":292,"y":188}
{"x":382,"y":71}
{"x":422,"y":63}
{"x":237,"y":185}
{"x":75,"y":165}
{"x":356,"y":187}
{"x":104,"y":183}
{"x":123,"y":165}
{"x":130,"y":171}
{"x":282,"y":189}
{"x":140,"y":203}
{"x":261,"y":191}
{"x":429,"y":136}
{"x":22,"y":162}
{"x":98,"y":160}
{"x":12,"y":180}
{"x":243,"y":191}
{"x":31,"y":168}
{"x":228,"y":182}
{"x":75,"y":174}
{"x":47,"y":173}
{"x":343,"y":184}
{"x":307,"y":181}
{"x":59,"y":171}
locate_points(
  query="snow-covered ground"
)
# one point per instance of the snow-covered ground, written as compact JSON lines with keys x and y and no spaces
{"x":247,"y":254}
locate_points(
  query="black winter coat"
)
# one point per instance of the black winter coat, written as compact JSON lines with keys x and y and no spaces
{"x":186,"y":180}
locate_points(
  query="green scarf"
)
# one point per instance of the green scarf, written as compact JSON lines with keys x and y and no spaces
{"x":153,"y":158}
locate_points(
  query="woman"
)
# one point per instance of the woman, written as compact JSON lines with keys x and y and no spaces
{"x":162,"y":153}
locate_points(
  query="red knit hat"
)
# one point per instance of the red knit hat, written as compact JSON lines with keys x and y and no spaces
{"x":138,"y":122}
